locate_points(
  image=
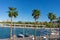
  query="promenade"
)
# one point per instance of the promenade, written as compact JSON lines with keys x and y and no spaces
{"x":55,"y":37}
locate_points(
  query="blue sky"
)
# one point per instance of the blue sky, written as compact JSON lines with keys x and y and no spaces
{"x":25,"y":7}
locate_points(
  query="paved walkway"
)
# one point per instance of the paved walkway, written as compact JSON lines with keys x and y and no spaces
{"x":31,"y":38}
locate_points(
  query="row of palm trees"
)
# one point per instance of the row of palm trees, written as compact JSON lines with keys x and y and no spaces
{"x":51,"y":16}
{"x":12,"y":13}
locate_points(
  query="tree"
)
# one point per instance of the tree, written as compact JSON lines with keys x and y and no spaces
{"x":52,"y":17}
{"x":35,"y":14}
{"x":12,"y":13}
{"x":58,"y":20}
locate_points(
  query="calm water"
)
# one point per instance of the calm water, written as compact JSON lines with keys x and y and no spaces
{"x":5,"y":32}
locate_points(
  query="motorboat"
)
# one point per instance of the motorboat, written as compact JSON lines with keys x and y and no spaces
{"x":21,"y":35}
{"x":54,"y":33}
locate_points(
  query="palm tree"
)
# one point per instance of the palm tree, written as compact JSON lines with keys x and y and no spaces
{"x":52,"y":17}
{"x":35,"y":14}
{"x":12,"y":13}
{"x":58,"y":20}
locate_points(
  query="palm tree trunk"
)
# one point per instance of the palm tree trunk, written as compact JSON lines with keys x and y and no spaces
{"x":50,"y":26}
{"x":59,"y":28}
{"x":35,"y":30}
{"x":11,"y":30}
{"x":50,"y":29}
